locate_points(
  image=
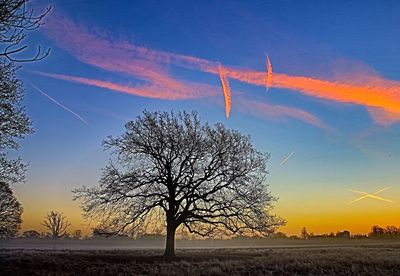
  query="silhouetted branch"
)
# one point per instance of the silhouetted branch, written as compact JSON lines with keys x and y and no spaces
{"x":15,"y":21}
{"x":56,"y":224}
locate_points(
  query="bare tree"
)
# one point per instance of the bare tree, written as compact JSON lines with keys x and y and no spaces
{"x":15,"y":21}
{"x":304,"y":233}
{"x":14,"y":123}
{"x":10,"y":212}
{"x":208,"y":179}
{"x":77,"y":234}
{"x":56,"y":224}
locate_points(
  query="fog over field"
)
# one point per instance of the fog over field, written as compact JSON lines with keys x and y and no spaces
{"x":130,"y":244}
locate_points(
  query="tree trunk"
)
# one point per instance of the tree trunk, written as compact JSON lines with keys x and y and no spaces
{"x":170,"y":240}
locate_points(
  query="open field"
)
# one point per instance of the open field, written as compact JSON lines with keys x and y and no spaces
{"x":348,"y":259}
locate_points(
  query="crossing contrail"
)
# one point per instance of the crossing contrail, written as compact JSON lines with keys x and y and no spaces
{"x":372,"y":195}
{"x":284,"y":160}
{"x":60,"y":104}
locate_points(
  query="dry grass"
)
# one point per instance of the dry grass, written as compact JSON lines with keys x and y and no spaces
{"x":373,"y":259}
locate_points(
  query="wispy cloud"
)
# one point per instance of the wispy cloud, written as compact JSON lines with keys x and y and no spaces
{"x":121,"y":57}
{"x":150,"y":65}
{"x":277,"y":112}
{"x":148,"y":91}
{"x":256,"y":108}
{"x":373,"y":92}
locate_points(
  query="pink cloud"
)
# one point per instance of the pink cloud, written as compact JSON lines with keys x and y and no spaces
{"x":148,"y":91}
{"x":151,"y":67}
{"x":266,"y":110}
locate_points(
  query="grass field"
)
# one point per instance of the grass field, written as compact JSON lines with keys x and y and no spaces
{"x":351,"y":259}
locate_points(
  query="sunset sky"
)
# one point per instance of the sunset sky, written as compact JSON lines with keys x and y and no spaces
{"x":318,"y":79}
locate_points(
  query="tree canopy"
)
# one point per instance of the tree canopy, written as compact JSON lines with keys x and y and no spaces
{"x":14,"y":123}
{"x":56,"y":224}
{"x":10,"y":212}
{"x":173,"y":169}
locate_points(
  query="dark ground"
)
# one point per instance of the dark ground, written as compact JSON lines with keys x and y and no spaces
{"x":361,"y":259}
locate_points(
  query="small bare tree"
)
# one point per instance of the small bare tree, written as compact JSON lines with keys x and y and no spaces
{"x":208,"y":179}
{"x":10,"y":212}
{"x":304,"y":233}
{"x":15,"y":21}
{"x":77,"y":234}
{"x":56,"y":224}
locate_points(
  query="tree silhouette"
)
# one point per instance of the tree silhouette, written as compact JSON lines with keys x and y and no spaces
{"x":56,"y":224}
{"x":15,"y":21}
{"x":31,"y":234}
{"x":14,"y":123}
{"x":77,"y":234}
{"x":208,"y":179}
{"x":376,"y":232}
{"x":10,"y":212}
{"x":304,"y":233}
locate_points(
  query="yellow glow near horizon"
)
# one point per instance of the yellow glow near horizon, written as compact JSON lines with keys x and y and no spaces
{"x":320,"y":211}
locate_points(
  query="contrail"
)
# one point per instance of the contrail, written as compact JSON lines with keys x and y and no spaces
{"x":268,"y":82}
{"x":286,"y":158}
{"x":227,"y":91}
{"x":368,"y":195}
{"x":60,"y":104}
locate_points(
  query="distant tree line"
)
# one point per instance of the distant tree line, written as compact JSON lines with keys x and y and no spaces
{"x":387,"y":232}
{"x":57,"y":220}
{"x":377,"y":232}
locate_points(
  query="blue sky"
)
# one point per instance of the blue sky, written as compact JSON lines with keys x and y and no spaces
{"x":338,"y":41}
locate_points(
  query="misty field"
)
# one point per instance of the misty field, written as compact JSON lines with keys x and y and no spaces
{"x":348,"y":259}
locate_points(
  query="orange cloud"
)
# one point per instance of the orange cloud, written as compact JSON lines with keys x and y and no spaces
{"x":376,"y":93}
{"x":226,"y":90}
{"x":373,"y":92}
{"x":268,"y":81}
{"x":145,"y":64}
{"x":149,"y":65}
